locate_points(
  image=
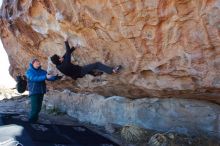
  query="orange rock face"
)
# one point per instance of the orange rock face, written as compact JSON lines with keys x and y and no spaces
{"x":167,"y":48}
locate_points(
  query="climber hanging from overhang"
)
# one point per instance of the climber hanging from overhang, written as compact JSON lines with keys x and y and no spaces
{"x":64,"y":65}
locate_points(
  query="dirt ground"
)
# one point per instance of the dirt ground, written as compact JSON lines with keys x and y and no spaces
{"x":12,"y":102}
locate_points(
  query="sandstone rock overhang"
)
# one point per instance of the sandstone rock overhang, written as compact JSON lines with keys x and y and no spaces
{"x":167,"y":48}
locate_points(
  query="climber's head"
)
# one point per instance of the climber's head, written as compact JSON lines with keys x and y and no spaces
{"x":56,"y":59}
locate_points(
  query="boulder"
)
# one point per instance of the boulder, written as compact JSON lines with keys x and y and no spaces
{"x":167,"y":48}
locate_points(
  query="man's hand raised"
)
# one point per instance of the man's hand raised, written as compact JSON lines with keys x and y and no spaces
{"x":73,"y":49}
{"x":49,"y":76}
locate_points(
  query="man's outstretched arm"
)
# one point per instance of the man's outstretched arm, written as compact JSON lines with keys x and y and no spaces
{"x":67,"y":56}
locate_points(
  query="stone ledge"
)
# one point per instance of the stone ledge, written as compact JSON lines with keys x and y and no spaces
{"x":190,"y":117}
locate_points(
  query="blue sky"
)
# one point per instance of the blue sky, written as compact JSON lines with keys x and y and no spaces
{"x":5,"y":79}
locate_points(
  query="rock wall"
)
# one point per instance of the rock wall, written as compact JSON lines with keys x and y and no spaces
{"x":184,"y":116}
{"x":167,"y":48}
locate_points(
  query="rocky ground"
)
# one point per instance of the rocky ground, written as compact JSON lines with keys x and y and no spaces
{"x":13,"y":102}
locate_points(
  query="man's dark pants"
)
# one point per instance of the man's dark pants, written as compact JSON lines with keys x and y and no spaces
{"x":36,"y":103}
{"x":96,"y":66}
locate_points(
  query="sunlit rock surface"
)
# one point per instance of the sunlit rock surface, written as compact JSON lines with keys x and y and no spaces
{"x":168,"y":48}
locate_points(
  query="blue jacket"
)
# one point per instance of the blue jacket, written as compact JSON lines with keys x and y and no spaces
{"x":36,"y":80}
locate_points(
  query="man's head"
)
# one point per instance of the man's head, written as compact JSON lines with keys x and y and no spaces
{"x":56,"y":59}
{"x":36,"y":63}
